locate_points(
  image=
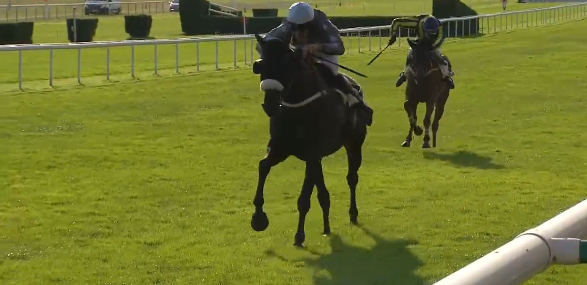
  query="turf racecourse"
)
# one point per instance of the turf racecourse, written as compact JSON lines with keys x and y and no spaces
{"x":151,"y":182}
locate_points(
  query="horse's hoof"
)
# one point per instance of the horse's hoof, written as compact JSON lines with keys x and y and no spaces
{"x":326,"y":233}
{"x":418,"y":131}
{"x":426,"y":145}
{"x":406,"y":144}
{"x":354,"y":219}
{"x":259,"y":222}
{"x":299,"y":239}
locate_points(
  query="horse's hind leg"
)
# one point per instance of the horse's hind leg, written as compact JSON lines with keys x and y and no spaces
{"x":259,"y":221}
{"x":355,"y":159}
{"x":313,"y":171}
{"x":438,"y":115}
{"x":427,"y":118}
{"x":324,"y":200}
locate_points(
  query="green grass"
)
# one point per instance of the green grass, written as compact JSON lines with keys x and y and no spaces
{"x":151,"y":182}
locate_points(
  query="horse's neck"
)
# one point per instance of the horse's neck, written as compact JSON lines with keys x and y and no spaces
{"x":306,"y":83}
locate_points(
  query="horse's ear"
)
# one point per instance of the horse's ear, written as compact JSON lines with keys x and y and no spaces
{"x":259,"y":38}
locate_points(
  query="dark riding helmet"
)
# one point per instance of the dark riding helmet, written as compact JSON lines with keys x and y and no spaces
{"x":431,"y":27}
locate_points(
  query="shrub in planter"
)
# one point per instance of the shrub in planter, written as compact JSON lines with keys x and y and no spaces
{"x":138,"y":26}
{"x":16,"y":33}
{"x":85,"y":29}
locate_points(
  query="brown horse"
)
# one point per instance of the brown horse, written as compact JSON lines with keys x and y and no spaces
{"x":425,"y":85}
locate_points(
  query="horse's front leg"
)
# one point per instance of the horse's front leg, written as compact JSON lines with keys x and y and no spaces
{"x":427,"y":120}
{"x":411,"y":109}
{"x":275,"y":155}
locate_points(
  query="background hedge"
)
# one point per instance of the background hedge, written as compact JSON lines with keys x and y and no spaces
{"x":265,"y":12}
{"x":16,"y":33}
{"x":138,"y":26}
{"x":455,"y":8}
{"x":86,"y":29}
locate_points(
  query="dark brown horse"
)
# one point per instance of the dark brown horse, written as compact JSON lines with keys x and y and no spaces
{"x":309,"y":120}
{"x":425,"y":85}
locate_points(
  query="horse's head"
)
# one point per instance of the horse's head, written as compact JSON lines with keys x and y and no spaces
{"x":275,"y":70}
{"x":421,"y":61}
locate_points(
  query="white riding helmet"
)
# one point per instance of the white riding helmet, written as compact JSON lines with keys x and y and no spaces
{"x":300,"y":13}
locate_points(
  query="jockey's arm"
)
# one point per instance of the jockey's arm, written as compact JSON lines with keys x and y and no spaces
{"x":330,"y":39}
{"x":404,"y":22}
{"x":282,"y":32}
{"x":438,"y":42}
{"x":333,"y":45}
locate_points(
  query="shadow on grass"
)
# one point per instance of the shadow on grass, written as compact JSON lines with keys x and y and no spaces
{"x":464,"y":158}
{"x":387,"y":262}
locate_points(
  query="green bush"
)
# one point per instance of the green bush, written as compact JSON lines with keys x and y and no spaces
{"x":16,"y":33}
{"x":265,"y":12}
{"x":138,"y":26}
{"x":455,"y":8}
{"x":85,"y":29}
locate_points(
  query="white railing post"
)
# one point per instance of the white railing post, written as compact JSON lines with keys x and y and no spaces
{"x":155,"y":54}
{"x":369,"y":35}
{"x":216,"y":55}
{"x":108,"y":64}
{"x":79,"y":66}
{"x":234,"y":52}
{"x":197,"y":56}
{"x":51,"y":67}
{"x":177,"y":58}
{"x":359,"y":41}
{"x":20,"y":69}
{"x":132,"y":61}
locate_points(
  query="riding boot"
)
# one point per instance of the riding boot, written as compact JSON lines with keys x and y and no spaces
{"x":447,"y":72}
{"x":364,"y":111}
{"x":401,"y":79}
{"x":450,"y":82}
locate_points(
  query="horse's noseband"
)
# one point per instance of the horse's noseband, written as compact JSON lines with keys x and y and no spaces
{"x":257,"y":66}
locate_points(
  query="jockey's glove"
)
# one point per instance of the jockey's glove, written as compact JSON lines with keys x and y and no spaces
{"x":392,"y":39}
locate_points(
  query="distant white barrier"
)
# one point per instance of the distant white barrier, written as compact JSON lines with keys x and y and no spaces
{"x":18,"y":13}
{"x":490,"y":23}
{"x":557,"y":241}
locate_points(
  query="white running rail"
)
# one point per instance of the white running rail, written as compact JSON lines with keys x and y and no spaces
{"x":32,"y":12}
{"x":370,"y":39}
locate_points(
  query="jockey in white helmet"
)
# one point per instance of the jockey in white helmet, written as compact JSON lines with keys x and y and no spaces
{"x":310,"y":29}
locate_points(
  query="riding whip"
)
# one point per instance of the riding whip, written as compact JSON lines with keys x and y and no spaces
{"x":341,"y":66}
{"x":378,"y":54}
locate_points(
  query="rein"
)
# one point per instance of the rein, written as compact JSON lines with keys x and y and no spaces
{"x":322,"y":85}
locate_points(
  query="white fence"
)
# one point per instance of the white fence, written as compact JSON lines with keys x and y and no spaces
{"x":557,"y":241}
{"x":60,"y":11}
{"x":242,"y":45}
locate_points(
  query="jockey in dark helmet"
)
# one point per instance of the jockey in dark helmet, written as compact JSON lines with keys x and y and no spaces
{"x":428,"y":31}
{"x":315,"y":34}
